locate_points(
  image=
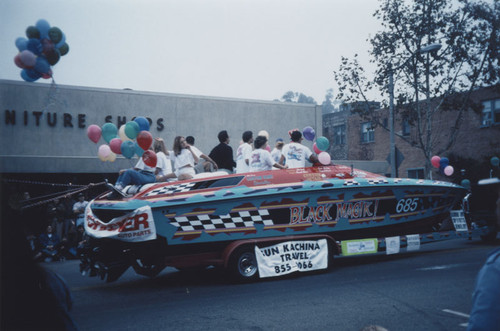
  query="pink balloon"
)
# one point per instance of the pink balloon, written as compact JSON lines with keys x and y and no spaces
{"x":435,"y":161}
{"x":316,"y":149}
{"x":94,"y":133}
{"x":103,"y":152}
{"x":448,"y":171}
{"x":18,"y":62}
{"x":324,"y":158}
{"x":115,"y":144}
{"x":27,"y":58}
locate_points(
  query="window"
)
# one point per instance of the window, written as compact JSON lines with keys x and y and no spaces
{"x":367,"y":133}
{"x":339,"y":134}
{"x":491,"y":113}
{"x":417,"y":173}
{"x":406,"y":127}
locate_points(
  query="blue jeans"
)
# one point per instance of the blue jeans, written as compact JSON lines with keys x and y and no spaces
{"x":136,"y":177}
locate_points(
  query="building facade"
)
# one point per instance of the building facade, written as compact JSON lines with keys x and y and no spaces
{"x":43,"y":128}
{"x":478,"y":137}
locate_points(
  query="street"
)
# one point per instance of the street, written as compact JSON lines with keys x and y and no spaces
{"x":426,"y":290}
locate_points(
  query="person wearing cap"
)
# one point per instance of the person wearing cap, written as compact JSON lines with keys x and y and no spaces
{"x":295,"y":154}
{"x":260,"y":158}
{"x":485,"y":312}
{"x":243,"y":153}
{"x":79,"y":209}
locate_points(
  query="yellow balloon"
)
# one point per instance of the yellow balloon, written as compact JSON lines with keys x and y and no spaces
{"x":111,"y":157}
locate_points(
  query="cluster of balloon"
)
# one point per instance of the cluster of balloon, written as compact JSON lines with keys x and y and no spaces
{"x":133,"y":138}
{"x":42,"y":49}
{"x":320,"y":145}
{"x":443,"y":164}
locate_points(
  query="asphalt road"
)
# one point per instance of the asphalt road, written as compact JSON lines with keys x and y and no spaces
{"x":425,"y":290}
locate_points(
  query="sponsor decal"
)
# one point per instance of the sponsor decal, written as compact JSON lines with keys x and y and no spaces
{"x":392,"y":245}
{"x":291,"y":256}
{"x":359,"y":246}
{"x":135,"y":226}
{"x":413,"y":242}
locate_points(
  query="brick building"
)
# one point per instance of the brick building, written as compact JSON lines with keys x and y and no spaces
{"x":478,"y":137}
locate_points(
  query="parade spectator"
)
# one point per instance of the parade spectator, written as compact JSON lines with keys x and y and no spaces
{"x":79,"y":209}
{"x":208,"y":165}
{"x":260,"y":158}
{"x":79,"y":242}
{"x":222,"y":154}
{"x":485,"y":313}
{"x":295,"y":154}
{"x":243,"y":153}
{"x":50,"y":244}
{"x":56,"y":211}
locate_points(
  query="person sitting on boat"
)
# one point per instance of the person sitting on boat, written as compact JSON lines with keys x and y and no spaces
{"x":295,"y":154}
{"x":222,"y":154}
{"x":260,"y":158}
{"x":163,"y":163}
{"x":276,"y":153}
{"x":184,"y":160}
{"x":243,"y":153}
{"x":208,"y":165}
{"x":139,"y":175}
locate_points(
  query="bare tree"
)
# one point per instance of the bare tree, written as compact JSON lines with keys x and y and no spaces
{"x":468,"y":32}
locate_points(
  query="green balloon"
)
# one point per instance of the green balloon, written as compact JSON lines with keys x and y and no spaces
{"x":55,"y":34}
{"x":132,"y":129}
{"x":109,"y":131}
{"x":322,"y":143}
{"x":64,"y":49}
{"x":495,"y":161}
{"x":32,"y":32}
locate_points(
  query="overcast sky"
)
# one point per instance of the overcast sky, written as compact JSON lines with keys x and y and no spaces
{"x":252,"y":49}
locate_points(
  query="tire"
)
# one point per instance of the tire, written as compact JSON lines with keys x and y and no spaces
{"x":491,"y":235}
{"x":243,"y":265}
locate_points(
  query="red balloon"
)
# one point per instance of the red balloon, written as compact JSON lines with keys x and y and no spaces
{"x":115,"y":144}
{"x":144,"y":140}
{"x":18,"y":62}
{"x":316,"y":149}
{"x":149,"y":158}
{"x":435,"y":160}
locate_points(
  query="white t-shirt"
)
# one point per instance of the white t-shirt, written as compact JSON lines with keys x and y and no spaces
{"x":261,"y":160}
{"x":296,"y":155}
{"x":142,"y":166}
{"x":185,"y":158}
{"x":243,"y":153}
{"x":196,"y":152}
{"x":164,"y":164}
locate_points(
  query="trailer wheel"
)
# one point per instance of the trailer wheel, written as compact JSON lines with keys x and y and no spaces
{"x":491,"y":235}
{"x":243,"y":264}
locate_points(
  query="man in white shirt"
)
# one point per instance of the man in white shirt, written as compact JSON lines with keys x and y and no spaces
{"x":295,"y":154}
{"x":243,"y":153}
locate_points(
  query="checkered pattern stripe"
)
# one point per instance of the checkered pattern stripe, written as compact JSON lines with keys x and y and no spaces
{"x":350,"y":182}
{"x":236,"y":220}
{"x":378,"y":181}
{"x":186,"y":187}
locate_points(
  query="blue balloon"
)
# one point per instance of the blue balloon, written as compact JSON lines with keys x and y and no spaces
{"x":22,"y":44}
{"x":41,"y":65}
{"x":138,"y":150}
{"x":26,"y":77}
{"x":444,"y":162}
{"x":44,"y":27}
{"x":309,"y":133}
{"x":128,"y":149}
{"x":143,"y":123}
{"x":35,"y":46}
